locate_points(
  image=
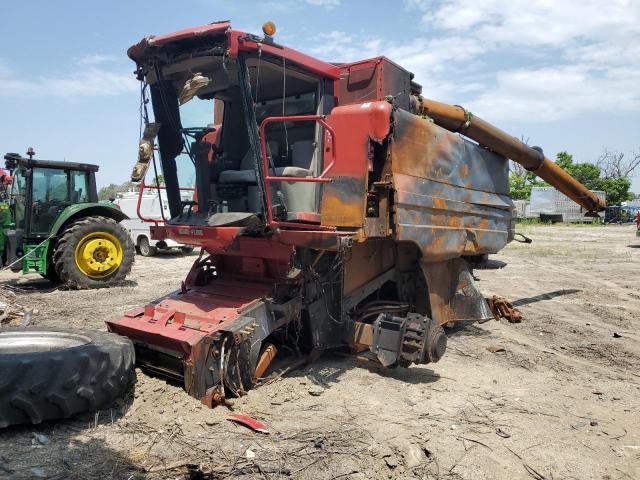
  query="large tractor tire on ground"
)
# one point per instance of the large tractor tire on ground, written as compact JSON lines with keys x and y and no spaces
{"x":48,"y":373}
{"x":93,"y":252}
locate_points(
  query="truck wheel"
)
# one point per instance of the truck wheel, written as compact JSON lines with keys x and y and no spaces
{"x":146,"y":250}
{"x":49,"y":373}
{"x":186,"y":250}
{"x":93,"y":252}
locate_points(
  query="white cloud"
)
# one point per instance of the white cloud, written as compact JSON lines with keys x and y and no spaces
{"x":531,"y":22}
{"x":546,"y":94}
{"x":515,"y":59}
{"x":84,"y":80}
{"x":324,"y":3}
{"x":96,"y":59}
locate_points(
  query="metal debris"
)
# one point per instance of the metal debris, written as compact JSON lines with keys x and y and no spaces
{"x":249,"y":422}
{"x":502,"y":308}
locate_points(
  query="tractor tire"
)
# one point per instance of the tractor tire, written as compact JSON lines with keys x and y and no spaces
{"x":93,"y":252}
{"x":49,"y":373}
{"x":146,"y":250}
{"x":51,"y":274}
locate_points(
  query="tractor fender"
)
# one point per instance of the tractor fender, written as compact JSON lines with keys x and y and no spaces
{"x":82,"y":210}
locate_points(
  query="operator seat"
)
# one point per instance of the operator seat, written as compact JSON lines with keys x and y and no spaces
{"x":298,"y":196}
{"x":301,"y":196}
{"x":246,"y":174}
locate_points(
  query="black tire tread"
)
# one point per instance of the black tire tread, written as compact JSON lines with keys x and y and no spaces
{"x":64,"y":253}
{"x":43,"y":386}
{"x":151,"y":250}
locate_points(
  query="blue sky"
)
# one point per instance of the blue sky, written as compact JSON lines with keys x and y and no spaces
{"x":561,"y":74}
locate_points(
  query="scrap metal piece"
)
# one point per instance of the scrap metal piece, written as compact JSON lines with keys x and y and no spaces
{"x":192,"y":87}
{"x":266,"y":357}
{"x":453,"y":292}
{"x":502,"y":308}
{"x":145,"y":151}
{"x":249,"y":422}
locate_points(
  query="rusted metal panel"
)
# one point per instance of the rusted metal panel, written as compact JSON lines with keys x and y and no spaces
{"x":450,"y":194}
{"x":372,"y":80}
{"x":366,"y":261}
{"x":453,"y":294}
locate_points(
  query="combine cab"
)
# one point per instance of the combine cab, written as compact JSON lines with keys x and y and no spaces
{"x":336,"y":208}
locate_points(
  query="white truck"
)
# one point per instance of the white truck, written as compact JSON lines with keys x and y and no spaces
{"x":150,"y":207}
{"x":549,"y":204}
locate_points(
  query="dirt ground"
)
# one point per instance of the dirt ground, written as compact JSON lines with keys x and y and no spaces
{"x":560,"y":399}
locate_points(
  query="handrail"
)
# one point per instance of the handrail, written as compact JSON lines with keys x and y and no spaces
{"x":141,"y":190}
{"x":265,"y":164}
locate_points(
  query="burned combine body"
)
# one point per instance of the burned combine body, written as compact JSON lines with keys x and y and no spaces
{"x":332,"y":209}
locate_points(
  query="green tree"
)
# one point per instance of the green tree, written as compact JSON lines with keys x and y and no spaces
{"x":616,"y":184}
{"x":521,"y":182}
{"x":108,"y":192}
{"x":111,"y":190}
{"x":564,"y":160}
{"x":617,"y":189}
{"x":158,"y":181}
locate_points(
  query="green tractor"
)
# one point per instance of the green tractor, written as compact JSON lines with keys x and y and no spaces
{"x":51,"y":222}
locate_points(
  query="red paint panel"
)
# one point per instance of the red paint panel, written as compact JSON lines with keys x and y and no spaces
{"x":252,"y":423}
{"x":178,"y":321}
{"x":355,"y":126}
{"x":239,"y":41}
{"x":201,"y":31}
{"x":212,"y":239}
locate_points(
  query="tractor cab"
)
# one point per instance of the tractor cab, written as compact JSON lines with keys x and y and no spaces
{"x":42,"y":189}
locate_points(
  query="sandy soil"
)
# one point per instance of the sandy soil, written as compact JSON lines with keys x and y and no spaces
{"x":561,"y":401}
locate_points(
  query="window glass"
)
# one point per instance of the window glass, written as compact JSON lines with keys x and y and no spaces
{"x":18,"y":199}
{"x":79,"y":187}
{"x":50,"y":197}
{"x":49,"y":184}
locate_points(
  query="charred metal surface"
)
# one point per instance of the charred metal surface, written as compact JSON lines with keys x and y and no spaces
{"x":450,"y":195}
{"x":367,"y":261}
{"x":378,"y":78}
{"x":397,"y":340}
{"x":453,"y":294}
{"x":343,"y":201}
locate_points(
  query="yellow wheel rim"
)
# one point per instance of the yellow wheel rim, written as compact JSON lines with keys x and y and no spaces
{"x":98,"y":254}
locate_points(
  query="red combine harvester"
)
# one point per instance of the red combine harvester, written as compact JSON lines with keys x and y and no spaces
{"x":335,"y":206}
